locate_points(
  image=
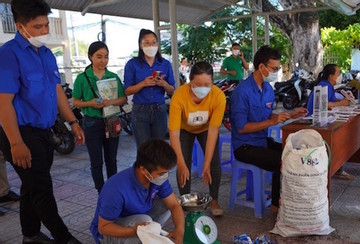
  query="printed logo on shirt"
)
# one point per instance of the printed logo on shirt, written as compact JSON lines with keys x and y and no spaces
{"x":154,"y":194}
{"x":198,"y":118}
{"x":57,"y":74}
{"x":269,"y":105}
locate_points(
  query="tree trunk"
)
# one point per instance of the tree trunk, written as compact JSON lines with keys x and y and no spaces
{"x":303,"y":31}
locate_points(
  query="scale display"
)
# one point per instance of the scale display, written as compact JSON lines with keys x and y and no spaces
{"x":199,"y":228}
{"x":206,"y":230}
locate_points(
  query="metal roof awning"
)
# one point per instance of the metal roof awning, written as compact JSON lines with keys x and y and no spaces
{"x":348,"y":7}
{"x":187,"y":11}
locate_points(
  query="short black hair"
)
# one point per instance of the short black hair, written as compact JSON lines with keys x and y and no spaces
{"x":26,"y":10}
{"x":264,"y":54}
{"x":235,"y":44}
{"x":141,"y":54}
{"x":201,"y":68}
{"x":154,"y":153}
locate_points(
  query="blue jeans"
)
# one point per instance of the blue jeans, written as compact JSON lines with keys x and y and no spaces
{"x":148,"y":122}
{"x":94,"y":129}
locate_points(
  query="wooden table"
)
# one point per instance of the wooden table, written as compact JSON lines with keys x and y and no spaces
{"x":343,"y":139}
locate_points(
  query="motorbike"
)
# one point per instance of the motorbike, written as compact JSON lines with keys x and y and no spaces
{"x":62,"y":136}
{"x":294,"y":92}
{"x":281,"y":88}
{"x":125,"y":117}
{"x":227,"y":87}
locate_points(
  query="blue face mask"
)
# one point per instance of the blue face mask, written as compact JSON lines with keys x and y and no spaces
{"x":271,"y":77}
{"x":201,"y":92}
{"x":158,"y":180}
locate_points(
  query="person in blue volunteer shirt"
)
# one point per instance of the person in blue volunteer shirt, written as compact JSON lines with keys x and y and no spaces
{"x":149,"y":113}
{"x":30,"y":98}
{"x":329,"y":77}
{"x":137,"y":195}
{"x":252,"y":113}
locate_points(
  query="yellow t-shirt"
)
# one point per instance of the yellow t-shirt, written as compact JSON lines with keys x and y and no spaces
{"x":195,"y":118}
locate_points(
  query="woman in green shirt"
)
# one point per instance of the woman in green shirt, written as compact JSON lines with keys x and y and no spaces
{"x":100,"y":147}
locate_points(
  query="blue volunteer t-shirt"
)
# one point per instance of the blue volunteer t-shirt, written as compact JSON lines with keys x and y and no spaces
{"x":250,"y":104}
{"x":331,"y":96}
{"x":136,"y":72}
{"x":32,"y":77}
{"x":123,"y":195}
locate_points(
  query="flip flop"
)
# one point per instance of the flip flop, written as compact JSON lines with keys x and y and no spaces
{"x":343,"y":175}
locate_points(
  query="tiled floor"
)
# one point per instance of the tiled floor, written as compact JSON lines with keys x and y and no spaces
{"x":76,"y":198}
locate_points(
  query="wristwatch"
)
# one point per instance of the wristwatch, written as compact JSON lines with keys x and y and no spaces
{"x":73,"y":122}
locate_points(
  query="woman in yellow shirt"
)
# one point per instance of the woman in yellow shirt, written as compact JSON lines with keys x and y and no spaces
{"x":196,"y":110}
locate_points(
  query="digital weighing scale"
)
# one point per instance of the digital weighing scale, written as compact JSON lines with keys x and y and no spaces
{"x":199,"y":228}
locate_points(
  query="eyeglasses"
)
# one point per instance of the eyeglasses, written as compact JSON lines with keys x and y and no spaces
{"x":275,"y":69}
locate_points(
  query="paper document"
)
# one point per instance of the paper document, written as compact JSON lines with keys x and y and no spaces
{"x":108,"y":89}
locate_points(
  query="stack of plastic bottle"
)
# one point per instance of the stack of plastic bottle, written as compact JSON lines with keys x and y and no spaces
{"x":245,"y":239}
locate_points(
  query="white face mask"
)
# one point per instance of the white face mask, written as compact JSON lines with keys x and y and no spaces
{"x":150,"y":51}
{"x":201,"y":92}
{"x":37,"y":41}
{"x":271,"y":77}
{"x":339,"y":79}
{"x":158,"y":180}
{"x":235,"y":52}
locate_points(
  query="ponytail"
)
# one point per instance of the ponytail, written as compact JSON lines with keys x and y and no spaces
{"x":319,"y":78}
{"x":328,"y":70}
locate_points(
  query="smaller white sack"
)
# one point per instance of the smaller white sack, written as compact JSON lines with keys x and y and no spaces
{"x":152,"y":233}
{"x":304,"y":207}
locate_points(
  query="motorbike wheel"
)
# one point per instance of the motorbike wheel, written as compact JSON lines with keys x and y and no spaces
{"x":290,"y":101}
{"x":64,"y":141}
{"x":126,"y":123}
{"x":226,"y":118}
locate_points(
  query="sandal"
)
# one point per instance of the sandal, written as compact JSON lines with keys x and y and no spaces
{"x":216,"y":209}
{"x":343,"y":175}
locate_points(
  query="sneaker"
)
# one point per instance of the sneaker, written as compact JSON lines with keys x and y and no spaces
{"x":343,"y":175}
{"x":11,"y":196}
{"x":40,"y":238}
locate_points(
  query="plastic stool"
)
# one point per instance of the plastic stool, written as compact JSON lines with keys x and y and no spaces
{"x":198,"y":154}
{"x":277,"y":129}
{"x":197,"y":157}
{"x":255,"y":182}
{"x":225,"y":138}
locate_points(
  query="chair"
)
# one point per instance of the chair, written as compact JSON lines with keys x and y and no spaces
{"x":225,"y":139}
{"x":256,"y":195}
{"x":277,"y":138}
{"x":277,"y":129}
{"x":198,"y":154}
{"x":197,"y":157}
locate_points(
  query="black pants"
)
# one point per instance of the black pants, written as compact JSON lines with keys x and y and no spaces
{"x":265,"y":158}
{"x":37,"y":203}
{"x":187,"y":141}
